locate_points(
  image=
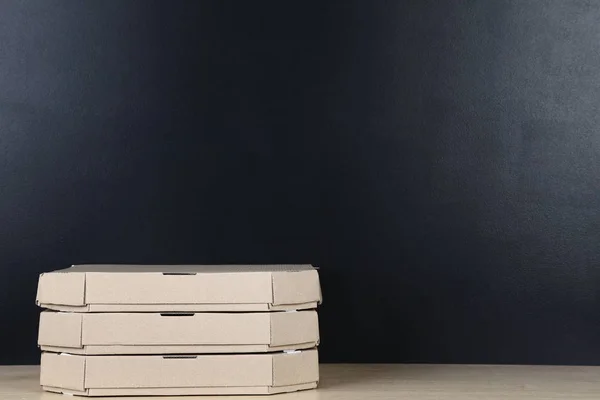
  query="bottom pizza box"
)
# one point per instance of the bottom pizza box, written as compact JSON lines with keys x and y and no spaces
{"x":148,"y":375}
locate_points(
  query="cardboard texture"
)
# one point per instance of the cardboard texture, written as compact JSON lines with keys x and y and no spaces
{"x":179,"y":288}
{"x":154,"y":333}
{"x":180,"y":375}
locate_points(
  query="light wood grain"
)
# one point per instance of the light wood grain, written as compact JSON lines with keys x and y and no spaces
{"x":383,"y":382}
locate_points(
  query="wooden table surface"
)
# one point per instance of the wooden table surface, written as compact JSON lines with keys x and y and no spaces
{"x":382,"y":382}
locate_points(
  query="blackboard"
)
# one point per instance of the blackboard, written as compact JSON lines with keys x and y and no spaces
{"x":437,"y":160}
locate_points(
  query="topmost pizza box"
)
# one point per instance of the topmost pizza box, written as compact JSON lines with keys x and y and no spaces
{"x":179,"y":288}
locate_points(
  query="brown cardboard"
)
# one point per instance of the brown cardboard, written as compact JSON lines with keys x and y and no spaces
{"x":154,"y":333}
{"x":179,"y":375}
{"x":179,"y":288}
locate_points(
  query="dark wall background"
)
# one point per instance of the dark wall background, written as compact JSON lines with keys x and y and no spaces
{"x":438,"y":160}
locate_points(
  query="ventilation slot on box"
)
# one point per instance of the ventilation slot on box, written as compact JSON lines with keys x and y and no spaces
{"x":179,"y":273}
{"x":175,"y":314}
{"x":179,"y":357}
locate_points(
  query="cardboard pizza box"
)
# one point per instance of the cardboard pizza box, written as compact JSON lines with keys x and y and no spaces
{"x":149,"y":375}
{"x":156,"y":333}
{"x":179,"y":288}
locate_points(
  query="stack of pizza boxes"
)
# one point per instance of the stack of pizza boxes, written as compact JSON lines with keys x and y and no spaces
{"x":120,"y":330}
